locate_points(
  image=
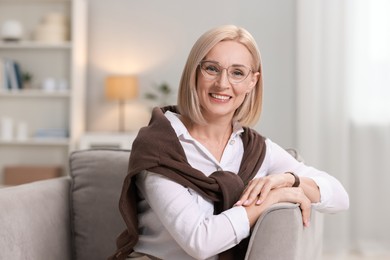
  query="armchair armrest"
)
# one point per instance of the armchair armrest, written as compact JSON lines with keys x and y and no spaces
{"x":34,"y":220}
{"x":279,"y":234}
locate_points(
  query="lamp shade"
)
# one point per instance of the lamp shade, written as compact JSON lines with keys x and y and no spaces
{"x":121,"y":87}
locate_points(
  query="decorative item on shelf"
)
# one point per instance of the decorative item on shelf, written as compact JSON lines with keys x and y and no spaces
{"x":7,"y":129}
{"x":161,"y":94}
{"x":11,"y":30}
{"x":51,"y":84}
{"x":27,"y":80}
{"x":62,"y":85}
{"x":53,"y":28}
{"x":121,"y":88}
{"x":21,"y":131}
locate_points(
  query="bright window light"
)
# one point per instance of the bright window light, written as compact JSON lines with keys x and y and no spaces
{"x":370,"y":64}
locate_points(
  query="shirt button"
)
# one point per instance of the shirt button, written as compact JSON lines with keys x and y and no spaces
{"x":219,"y":169}
{"x":232,"y":142}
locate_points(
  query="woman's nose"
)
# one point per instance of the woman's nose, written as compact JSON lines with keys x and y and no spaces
{"x":223,"y":80}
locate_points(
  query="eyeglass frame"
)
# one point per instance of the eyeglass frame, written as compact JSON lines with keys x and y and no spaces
{"x":213,"y":77}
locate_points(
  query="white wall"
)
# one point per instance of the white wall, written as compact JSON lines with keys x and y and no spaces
{"x":153,"y":38}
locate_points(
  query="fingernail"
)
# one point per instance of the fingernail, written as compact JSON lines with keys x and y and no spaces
{"x":238,"y":203}
{"x":246,"y":202}
{"x":258,"y":202}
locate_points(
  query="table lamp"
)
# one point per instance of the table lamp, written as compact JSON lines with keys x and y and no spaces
{"x":121,"y":88}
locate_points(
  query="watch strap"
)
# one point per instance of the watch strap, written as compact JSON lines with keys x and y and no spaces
{"x":296,"y":181}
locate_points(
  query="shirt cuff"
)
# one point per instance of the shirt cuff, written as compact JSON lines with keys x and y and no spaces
{"x":325,"y":191}
{"x":240,"y":222}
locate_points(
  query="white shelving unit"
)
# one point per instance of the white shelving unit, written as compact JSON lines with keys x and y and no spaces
{"x":39,"y":109}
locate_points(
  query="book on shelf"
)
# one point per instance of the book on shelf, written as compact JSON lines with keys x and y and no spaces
{"x":3,"y":80}
{"x":18,"y":75}
{"x":10,"y":75}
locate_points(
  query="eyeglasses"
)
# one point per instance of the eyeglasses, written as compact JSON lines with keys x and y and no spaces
{"x":212,"y":70}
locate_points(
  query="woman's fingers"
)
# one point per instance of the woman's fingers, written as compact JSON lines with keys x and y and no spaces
{"x":255,"y":188}
{"x":244,"y":195}
{"x":306,"y":211}
{"x":258,"y":189}
{"x":251,"y":192}
{"x":266,"y":188}
{"x":293,"y":195}
{"x":298,"y":196}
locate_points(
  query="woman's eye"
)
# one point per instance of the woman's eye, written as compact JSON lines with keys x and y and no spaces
{"x":237,"y":73}
{"x":212,"y":69}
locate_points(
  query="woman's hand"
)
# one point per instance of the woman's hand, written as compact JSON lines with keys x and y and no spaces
{"x":297,"y":195}
{"x":293,"y":195}
{"x":259,"y":188}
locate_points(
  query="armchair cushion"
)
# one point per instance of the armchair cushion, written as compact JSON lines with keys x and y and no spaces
{"x":279,"y":234}
{"x":97,"y":178}
{"x":34,"y":220}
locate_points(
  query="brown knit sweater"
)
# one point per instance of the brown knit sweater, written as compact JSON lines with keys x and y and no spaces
{"x":157,"y":149}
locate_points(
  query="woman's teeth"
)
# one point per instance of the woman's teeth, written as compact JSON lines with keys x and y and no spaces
{"x":222,"y":97}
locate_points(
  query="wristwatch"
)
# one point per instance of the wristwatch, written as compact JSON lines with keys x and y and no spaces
{"x":297,"y":181}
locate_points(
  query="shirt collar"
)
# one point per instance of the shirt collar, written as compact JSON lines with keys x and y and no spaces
{"x":181,"y":130}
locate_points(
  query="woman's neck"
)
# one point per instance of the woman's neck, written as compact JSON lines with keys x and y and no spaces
{"x":214,"y":136}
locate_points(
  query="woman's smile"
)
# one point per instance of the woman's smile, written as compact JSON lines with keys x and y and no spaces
{"x":220,"y":97}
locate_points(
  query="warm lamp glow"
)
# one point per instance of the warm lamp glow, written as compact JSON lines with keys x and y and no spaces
{"x":121,"y":88}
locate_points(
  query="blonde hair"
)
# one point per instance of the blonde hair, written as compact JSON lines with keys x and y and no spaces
{"x":188,"y":103}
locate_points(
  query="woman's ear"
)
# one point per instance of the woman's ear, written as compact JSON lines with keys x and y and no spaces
{"x":253,"y":82}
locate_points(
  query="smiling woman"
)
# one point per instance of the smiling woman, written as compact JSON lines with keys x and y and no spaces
{"x":216,"y":174}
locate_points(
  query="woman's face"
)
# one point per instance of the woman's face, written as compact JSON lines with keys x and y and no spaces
{"x":218,"y":97}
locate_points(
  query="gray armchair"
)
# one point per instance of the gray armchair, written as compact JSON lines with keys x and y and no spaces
{"x":77,"y":217}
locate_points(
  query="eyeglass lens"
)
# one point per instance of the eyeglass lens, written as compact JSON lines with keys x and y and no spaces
{"x":236,"y":73}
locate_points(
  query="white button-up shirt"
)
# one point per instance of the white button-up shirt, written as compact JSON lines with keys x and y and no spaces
{"x":177,"y":223}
